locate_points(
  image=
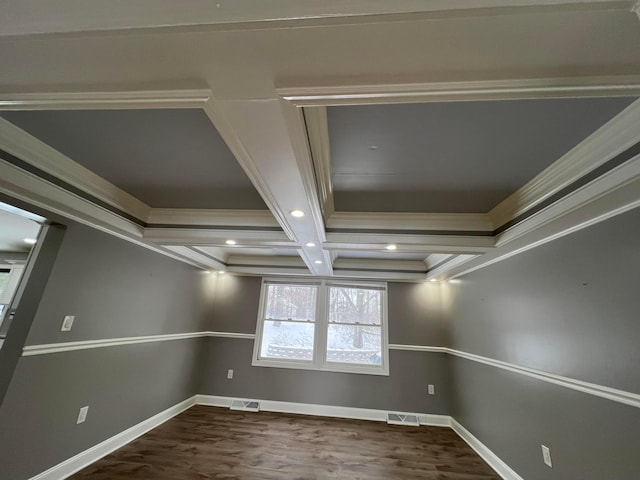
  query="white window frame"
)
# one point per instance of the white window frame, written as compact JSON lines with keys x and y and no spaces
{"x":319,"y":361}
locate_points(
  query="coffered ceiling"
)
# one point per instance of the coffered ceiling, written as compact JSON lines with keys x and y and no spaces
{"x":421,"y":140}
{"x":462,"y":157}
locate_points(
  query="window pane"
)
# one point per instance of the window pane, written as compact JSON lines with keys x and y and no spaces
{"x":287,"y":340}
{"x":354,"y":344}
{"x":354,"y":305}
{"x":291,"y":302}
{"x":4,"y":278}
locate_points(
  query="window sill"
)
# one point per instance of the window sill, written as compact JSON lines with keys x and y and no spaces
{"x":327,"y":367}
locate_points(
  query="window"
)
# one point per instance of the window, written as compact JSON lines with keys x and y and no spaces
{"x":322,"y":325}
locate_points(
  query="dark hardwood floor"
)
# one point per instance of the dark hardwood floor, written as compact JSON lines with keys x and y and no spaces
{"x":216,"y":443}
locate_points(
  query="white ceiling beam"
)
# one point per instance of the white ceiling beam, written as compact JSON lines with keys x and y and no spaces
{"x":24,"y":17}
{"x":273,"y":260}
{"x":379,"y":264}
{"x":604,"y":186}
{"x":436,"y":259}
{"x":588,"y":208}
{"x":29,"y":149}
{"x":117,"y":100}
{"x":318,"y":133}
{"x":279,"y":166}
{"x":217,"y":237}
{"x":385,"y":221}
{"x":203,"y":260}
{"x":426,"y":244}
{"x":614,"y":137}
{"x":440,"y":272}
{"x":212,"y":217}
{"x":594,"y":86}
{"x":29,"y":188}
{"x":387,"y":275}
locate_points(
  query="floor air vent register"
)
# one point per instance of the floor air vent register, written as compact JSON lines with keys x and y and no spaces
{"x":403,"y":419}
{"x":245,"y":405}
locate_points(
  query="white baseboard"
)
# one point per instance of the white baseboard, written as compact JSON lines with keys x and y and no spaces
{"x":95,"y":453}
{"x":324,"y":410}
{"x":487,"y":455}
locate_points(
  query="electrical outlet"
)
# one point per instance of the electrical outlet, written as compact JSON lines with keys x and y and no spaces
{"x":546,"y":456}
{"x":82,"y":415}
{"x":67,"y":323}
{"x":431,"y":389}
{"x":229,"y":374}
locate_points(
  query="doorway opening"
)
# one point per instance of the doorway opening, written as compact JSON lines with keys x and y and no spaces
{"x":19,"y":232}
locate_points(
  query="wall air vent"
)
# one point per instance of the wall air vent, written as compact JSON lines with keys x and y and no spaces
{"x":403,"y":419}
{"x":245,"y":405}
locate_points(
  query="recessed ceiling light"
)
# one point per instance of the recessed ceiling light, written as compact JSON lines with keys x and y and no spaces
{"x":220,"y":272}
{"x":373,"y":147}
{"x":230,"y":242}
{"x":433,"y":280}
{"x":391,"y":247}
{"x":318,"y":262}
{"x":297,"y":213}
{"x":309,"y":244}
{"x":30,"y":241}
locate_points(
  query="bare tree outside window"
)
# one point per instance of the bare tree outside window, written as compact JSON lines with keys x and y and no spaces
{"x":355,"y":326}
{"x":288,"y":330}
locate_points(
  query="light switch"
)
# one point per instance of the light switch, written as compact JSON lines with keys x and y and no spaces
{"x":67,"y":323}
{"x":546,"y":456}
{"x":82,"y":415}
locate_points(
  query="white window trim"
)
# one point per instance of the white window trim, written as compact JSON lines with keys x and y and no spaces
{"x":320,"y":333}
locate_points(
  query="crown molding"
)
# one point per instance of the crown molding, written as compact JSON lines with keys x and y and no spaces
{"x":385,"y":221}
{"x":602,"y":187}
{"x":38,"y":154}
{"x":426,"y":244}
{"x":595,"y":86}
{"x":382,"y":275}
{"x":211,"y":217}
{"x":267,"y":270}
{"x":33,"y":190}
{"x":318,"y":133}
{"x":436,"y":259}
{"x":451,"y":263}
{"x":194,"y":256}
{"x":611,"y":139}
{"x":217,"y":237}
{"x":268,"y":261}
{"x":195,"y":98}
{"x":389,"y":265}
{"x":590,"y":205}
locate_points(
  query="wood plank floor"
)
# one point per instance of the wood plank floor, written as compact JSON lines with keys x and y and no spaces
{"x":216,"y":443}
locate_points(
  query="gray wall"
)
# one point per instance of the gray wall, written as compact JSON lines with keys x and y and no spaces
{"x":414,"y":319}
{"x":115,"y":289}
{"x":569,"y":307}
